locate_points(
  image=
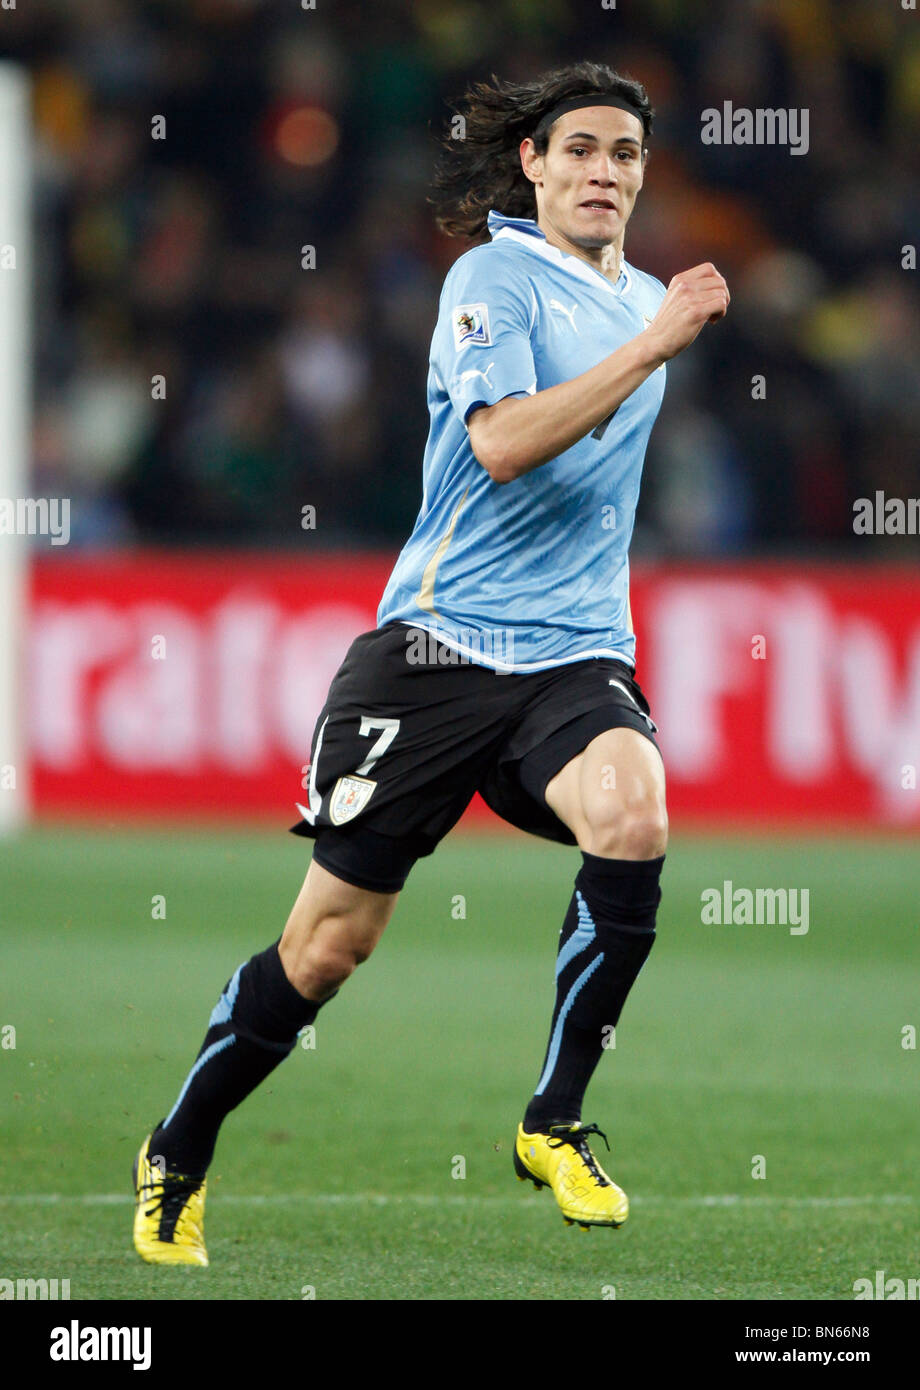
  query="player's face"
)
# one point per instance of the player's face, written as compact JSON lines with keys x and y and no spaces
{"x":586,"y":183}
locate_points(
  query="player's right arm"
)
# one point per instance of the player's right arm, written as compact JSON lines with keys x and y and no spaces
{"x":521,"y":433}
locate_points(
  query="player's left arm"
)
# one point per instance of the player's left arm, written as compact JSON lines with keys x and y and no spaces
{"x":517,"y":435}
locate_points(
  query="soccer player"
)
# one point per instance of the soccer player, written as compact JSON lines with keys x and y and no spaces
{"x":503,"y":659}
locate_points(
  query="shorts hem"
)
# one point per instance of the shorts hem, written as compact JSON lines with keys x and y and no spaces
{"x":369,"y":859}
{"x":579,"y":732}
{"x":356,"y":880}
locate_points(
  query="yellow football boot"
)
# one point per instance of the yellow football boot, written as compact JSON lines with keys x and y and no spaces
{"x":169,"y":1216}
{"x":563,"y":1161}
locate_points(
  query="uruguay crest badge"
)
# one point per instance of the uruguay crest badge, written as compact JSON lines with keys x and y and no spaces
{"x":350,"y":795}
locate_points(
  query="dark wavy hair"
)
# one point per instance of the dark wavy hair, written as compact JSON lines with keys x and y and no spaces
{"x":483,"y":169}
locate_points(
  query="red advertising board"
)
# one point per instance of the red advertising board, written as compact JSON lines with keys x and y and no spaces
{"x":188,"y":685}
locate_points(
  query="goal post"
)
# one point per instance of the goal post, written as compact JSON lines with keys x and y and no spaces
{"x":15,"y":431}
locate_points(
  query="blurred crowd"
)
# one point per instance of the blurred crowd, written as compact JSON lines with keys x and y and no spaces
{"x":197,"y":382}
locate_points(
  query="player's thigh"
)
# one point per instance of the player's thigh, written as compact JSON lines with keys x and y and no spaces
{"x":332,"y":919}
{"x":612,"y":796}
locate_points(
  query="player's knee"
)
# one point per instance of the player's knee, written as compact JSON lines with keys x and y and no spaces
{"x":318,"y":974}
{"x":323,"y":964}
{"x":629,"y":832}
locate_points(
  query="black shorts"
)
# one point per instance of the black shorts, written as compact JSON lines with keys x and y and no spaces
{"x":401,"y":745}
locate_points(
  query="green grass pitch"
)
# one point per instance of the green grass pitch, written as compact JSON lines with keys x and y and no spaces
{"x":337,"y":1176}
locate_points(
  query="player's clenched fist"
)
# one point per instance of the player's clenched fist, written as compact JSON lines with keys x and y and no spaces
{"x":694,"y":297}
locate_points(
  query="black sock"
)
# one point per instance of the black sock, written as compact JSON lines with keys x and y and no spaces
{"x":606,"y":938}
{"x":253,"y":1027}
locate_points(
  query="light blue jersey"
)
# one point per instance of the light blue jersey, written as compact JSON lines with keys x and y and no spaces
{"x":534,"y":573}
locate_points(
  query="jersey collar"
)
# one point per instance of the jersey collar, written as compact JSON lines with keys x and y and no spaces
{"x":526,"y":231}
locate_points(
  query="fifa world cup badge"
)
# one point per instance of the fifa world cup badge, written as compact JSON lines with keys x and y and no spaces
{"x":471,"y":325}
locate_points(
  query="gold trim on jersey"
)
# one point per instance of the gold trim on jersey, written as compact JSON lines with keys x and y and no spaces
{"x":425,"y":596}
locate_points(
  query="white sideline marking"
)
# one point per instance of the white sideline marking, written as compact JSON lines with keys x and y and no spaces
{"x":105,"y":1199}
